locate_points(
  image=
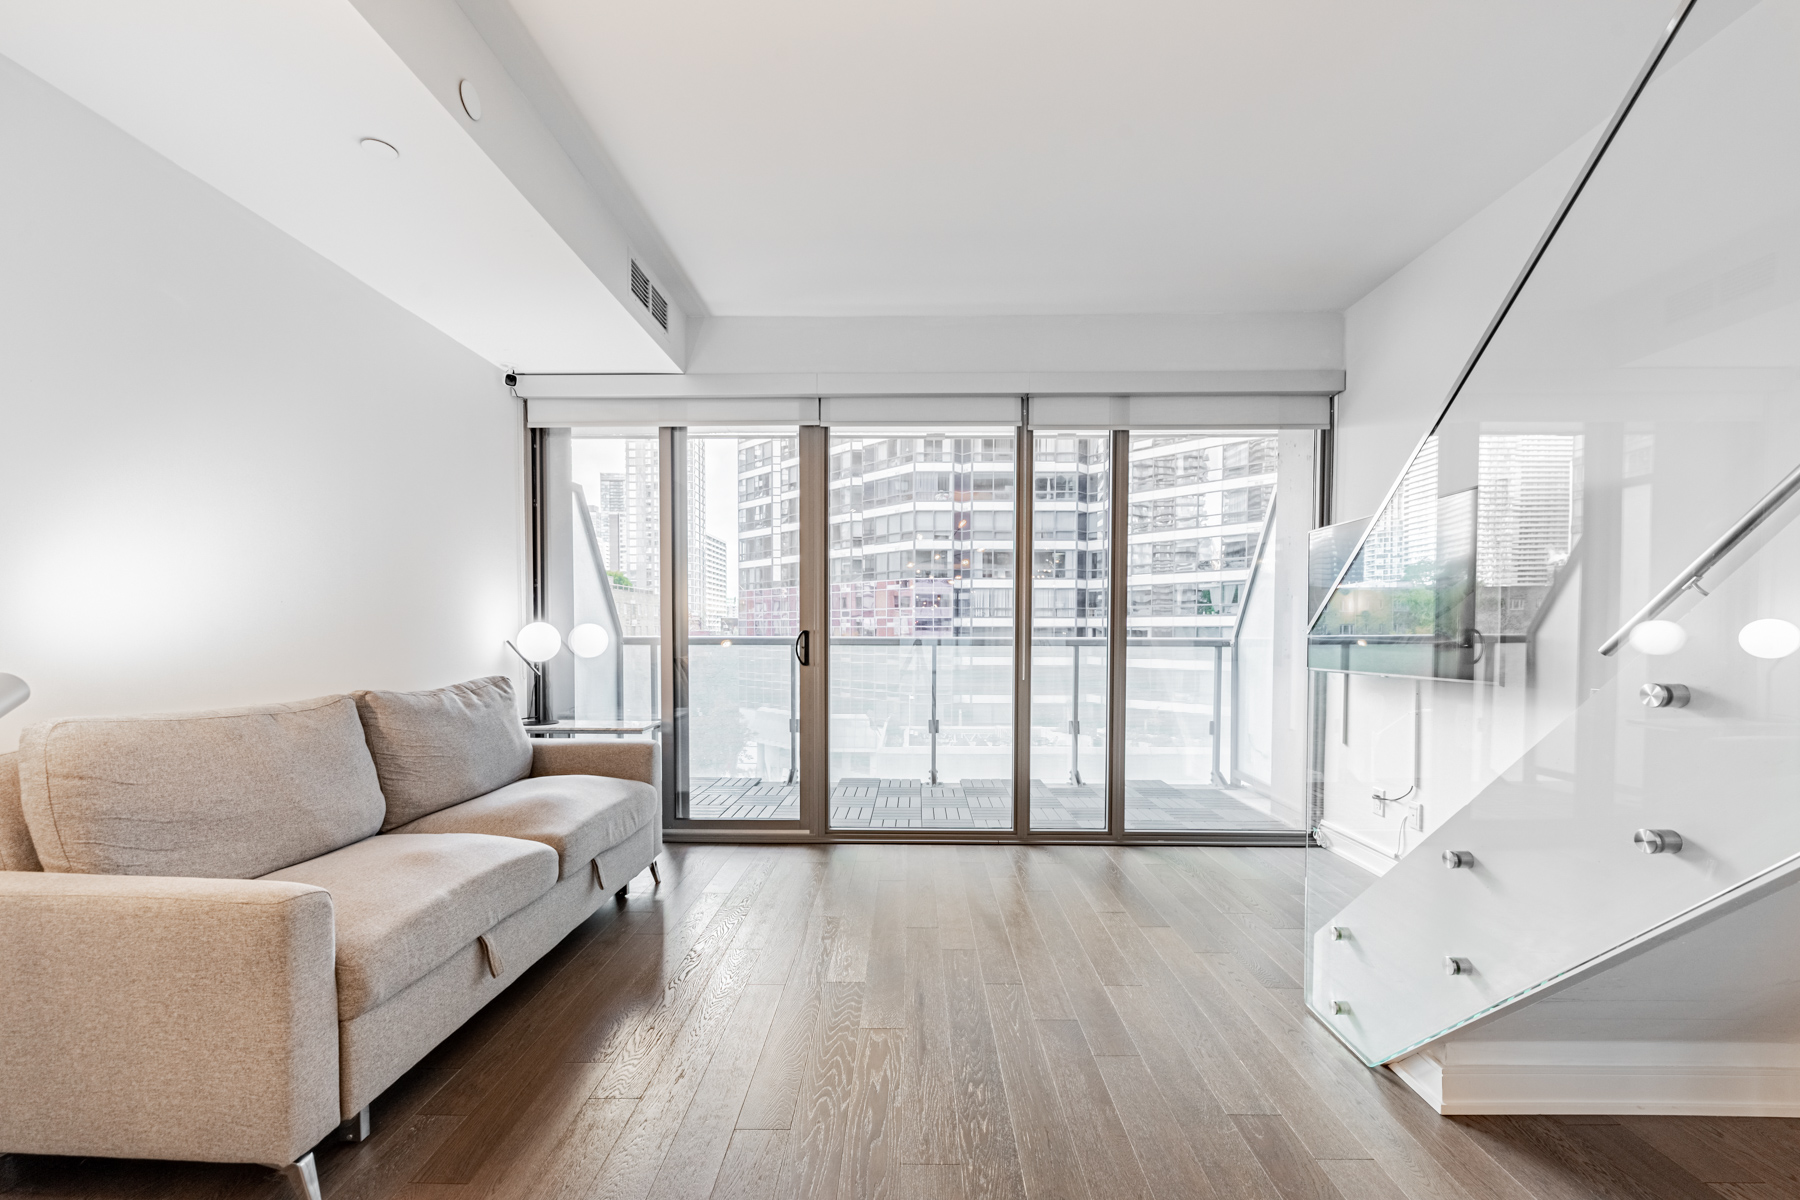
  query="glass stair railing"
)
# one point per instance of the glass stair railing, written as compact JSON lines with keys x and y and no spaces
{"x":1550,"y":871}
{"x":1566,"y":639}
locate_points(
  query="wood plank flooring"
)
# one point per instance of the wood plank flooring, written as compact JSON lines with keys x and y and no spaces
{"x":945,"y":1023}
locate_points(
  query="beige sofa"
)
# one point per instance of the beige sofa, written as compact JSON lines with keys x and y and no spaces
{"x":227,"y":932}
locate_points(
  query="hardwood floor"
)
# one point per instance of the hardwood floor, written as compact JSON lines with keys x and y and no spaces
{"x":946,"y":1023}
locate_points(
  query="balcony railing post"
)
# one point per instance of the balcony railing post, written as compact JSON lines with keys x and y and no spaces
{"x":793,"y":771}
{"x":1218,"y":718}
{"x":1075,"y":714}
{"x":656,"y":677}
{"x":931,"y":726}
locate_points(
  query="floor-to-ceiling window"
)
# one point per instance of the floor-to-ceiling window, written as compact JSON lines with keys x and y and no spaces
{"x":612,"y":579}
{"x":1197,"y":509}
{"x":991,"y":630}
{"x":1071,"y":532}
{"x":921,"y":573}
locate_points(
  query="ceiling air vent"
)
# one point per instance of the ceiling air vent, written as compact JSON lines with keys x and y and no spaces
{"x":648,"y":295}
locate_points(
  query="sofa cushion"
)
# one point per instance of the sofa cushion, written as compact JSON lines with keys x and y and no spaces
{"x":230,"y":794}
{"x":578,"y":816}
{"x":16,"y":850}
{"x":438,"y":748}
{"x":405,"y":904}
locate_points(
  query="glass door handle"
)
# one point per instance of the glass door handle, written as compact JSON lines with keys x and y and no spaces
{"x":803,"y":648}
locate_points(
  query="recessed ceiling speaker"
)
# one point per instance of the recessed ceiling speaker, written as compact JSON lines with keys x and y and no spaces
{"x":379,"y":148}
{"x":471,"y":99}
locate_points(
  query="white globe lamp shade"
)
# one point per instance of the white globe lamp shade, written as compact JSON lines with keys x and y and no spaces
{"x":589,"y":640}
{"x":13,"y":692}
{"x":538,"y":642}
{"x":1770,"y":637}
{"x":1658,"y":637}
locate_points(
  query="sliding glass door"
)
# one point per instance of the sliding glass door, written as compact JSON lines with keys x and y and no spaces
{"x":976,"y":631}
{"x":741,"y":505}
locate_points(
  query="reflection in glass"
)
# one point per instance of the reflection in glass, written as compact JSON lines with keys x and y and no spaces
{"x":921,"y":629}
{"x":1071,"y":532}
{"x":1329,"y":550}
{"x":1449,"y":572}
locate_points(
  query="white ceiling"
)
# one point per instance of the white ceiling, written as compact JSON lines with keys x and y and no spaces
{"x":268,"y":103}
{"x":823,"y":158}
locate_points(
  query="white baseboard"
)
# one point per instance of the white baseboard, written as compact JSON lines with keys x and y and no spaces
{"x":1357,"y":848}
{"x":1714,"y":1079}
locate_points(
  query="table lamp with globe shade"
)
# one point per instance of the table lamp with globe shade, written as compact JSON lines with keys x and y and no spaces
{"x":538,"y":643}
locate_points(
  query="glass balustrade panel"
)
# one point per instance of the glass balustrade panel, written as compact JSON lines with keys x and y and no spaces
{"x":1639,"y":398}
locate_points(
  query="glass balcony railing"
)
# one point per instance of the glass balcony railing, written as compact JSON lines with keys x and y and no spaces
{"x":1564,"y":639}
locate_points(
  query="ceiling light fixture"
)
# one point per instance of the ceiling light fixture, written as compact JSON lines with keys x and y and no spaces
{"x":379,"y":148}
{"x":471,"y":99}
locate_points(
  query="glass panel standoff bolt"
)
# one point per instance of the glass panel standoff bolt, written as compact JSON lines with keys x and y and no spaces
{"x":1657,"y":841}
{"x":1340,"y":933}
{"x":1458,"y":860}
{"x":1664,"y":695}
{"x":1340,"y":1008}
{"x":1458,"y":966}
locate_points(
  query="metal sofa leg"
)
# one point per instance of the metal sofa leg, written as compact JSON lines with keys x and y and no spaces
{"x":304,"y":1176}
{"x":655,"y":875}
{"x":356,"y":1129}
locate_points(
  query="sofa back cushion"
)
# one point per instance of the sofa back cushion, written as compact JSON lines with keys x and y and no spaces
{"x":229,"y":794}
{"x":438,"y":748}
{"x":16,"y":852}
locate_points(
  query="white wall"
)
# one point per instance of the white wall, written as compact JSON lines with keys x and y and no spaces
{"x":229,"y":472}
{"x":1406,"y":341}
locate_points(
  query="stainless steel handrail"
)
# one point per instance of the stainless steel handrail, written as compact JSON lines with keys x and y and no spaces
{"x":1694,"y":572}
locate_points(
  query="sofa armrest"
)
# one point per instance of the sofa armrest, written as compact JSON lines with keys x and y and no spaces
{"x":153,"y":1017}
{"x":616,"y":760}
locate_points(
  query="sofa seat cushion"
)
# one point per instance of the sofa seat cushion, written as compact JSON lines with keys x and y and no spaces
{"x":578,"y":816}
{"x":227,"y":794}
{"x":404,"y":904}
{"x":438,"y":748}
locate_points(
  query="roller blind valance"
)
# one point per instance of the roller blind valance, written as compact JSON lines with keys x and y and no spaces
{"x":829,"y":410}
{"x":1208,"y":411}
{"x":646,"y":413}
{"x":1179,"y":412}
